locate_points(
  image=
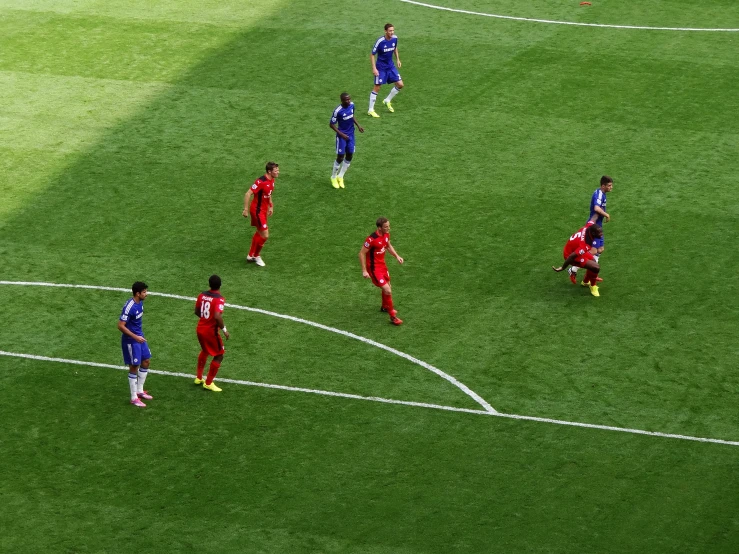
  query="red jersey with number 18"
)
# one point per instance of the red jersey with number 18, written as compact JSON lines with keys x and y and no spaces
{"x":207,"y":305}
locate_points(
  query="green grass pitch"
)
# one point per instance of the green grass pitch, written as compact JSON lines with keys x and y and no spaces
{"x":129,"y":132}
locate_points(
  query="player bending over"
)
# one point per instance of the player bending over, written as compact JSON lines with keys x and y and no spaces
{"x":579,"y":252}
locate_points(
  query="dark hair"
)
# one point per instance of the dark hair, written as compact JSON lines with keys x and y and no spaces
{"x":215,"y":282}
{"x":344,"y":95}
{"x":593,"y":232}
{"x":381,"y":221}
{"x":605,"y":180}
{"x":270,"y":166}
{"x":388,"y":25}
{"x":138,"y":286}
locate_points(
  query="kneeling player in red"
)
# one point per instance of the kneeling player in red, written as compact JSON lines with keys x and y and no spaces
{"x":209,"y":308}
{"x":372,"y":259}
{"x":578,"y":252}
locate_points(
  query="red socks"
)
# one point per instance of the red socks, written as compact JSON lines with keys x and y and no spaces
{"x":387,"y":302}
{"x":590,"y":277}
{"x":256,"y":245}
{"x":202,"y":358}
{"x":212,"y":372}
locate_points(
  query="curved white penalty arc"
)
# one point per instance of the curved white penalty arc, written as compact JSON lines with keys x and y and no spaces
{"x":461,"y":386}
{"x":573,"y":23}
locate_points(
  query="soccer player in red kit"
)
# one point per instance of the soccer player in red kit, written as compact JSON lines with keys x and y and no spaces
{"x":372,"y":258}
{"x":261,"y":207}
{"x":209,"y":308}
{"x":579,"y":252}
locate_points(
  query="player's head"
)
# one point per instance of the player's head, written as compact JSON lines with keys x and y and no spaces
{"x":389,"y":30}
{"x":593,"y":232}
{"x":606,"y":183}
{"x":215,"y":282}
{"x":272,"y":169}
{"x":383,"y":224}
{"x":139,"y":288}
{"x":346,"y":99}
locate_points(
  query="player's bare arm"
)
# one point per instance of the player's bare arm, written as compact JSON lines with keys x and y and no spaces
{"x":363,"y":261}
{"x":247,"y":199}
{"x":336,"y":130}
{"x":359,"y":127}
{"x":123,"y":329}
{"x":271,"y":208}
{"x":601,"y":211}
{"x":397,"y":57}
{"x":221,"y":325}
{"x":568,"y":261}
{"x":374,"y":67}
{"x":394,"y":253}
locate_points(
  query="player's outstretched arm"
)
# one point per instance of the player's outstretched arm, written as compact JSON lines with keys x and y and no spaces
{"x":568,"y":261}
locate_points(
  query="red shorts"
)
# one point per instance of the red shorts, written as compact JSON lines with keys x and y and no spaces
{"x":259,"y":220}
{"x":379,"y":276}
{"x":581,"y":259}
{"x":210,"y":342}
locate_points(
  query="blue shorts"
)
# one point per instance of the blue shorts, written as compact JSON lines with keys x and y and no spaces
{"x":387,"y":76}
{"x":134,"y":352}
{"x":598,"y":243}
{"x":345,"y":146}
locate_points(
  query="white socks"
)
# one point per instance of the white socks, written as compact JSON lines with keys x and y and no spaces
{"x":142,"y":377}
{"x":392,"y":94}
{"x":373,"y":98}
{"x":132,"y":385}
{"x":335,"y":172}
{"x":597,"y":257}
{"x":344,"y":167}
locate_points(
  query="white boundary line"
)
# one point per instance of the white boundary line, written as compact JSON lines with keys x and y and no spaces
{"x":386,"y":400}
{"x":461,"y":386}
{"x":490,"y":412}
{"x":574,"y":23}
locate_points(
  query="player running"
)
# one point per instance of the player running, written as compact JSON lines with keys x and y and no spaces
{"x":209,"y":308}
{"x":384,"y":69}
{"x":372,"y":259}
{"x":342,"y":123}
{"x":136,"y":353}
{"x":262,"y":207}
{"x":598,"y":214}
{"x":579,"y":252}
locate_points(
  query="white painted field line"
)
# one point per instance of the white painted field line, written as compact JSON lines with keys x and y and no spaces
{"x":250,"y":383}
{"x":461,"y":386}
{"x":574,"y":23}
{"x":389,"y":401}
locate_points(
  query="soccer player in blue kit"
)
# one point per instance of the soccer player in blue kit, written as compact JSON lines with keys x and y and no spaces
{"x":384,"y":69}
{"x":136,"y":354}
{"x":597,"y":214}
{"x":342,"y":123}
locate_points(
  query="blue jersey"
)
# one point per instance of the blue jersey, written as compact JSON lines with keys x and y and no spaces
{"x":343,"y":118}
{"x":132,"y":313}
{"x":598,"y":199}
{"x":384,"y":49}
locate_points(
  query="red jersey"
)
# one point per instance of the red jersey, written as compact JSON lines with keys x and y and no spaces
{"x":577,"y":242}
{"x":207,"y":305}
{"x":262,"y":189}
{"x":376,"y":246}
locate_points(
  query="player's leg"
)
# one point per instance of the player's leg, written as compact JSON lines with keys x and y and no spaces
{"x":347,"y":161}
{"x":257,"y":241}
{"x":202,"y":360}
{"x":143,"y":373}
{"x":373,"y":95}
{"x":340,"y":151}
{"x":398,"y":84}
{"x":131,"y":358}
{"x":591,"y":275}
{"x":216,"y":350}
{"x":387,"y":297}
